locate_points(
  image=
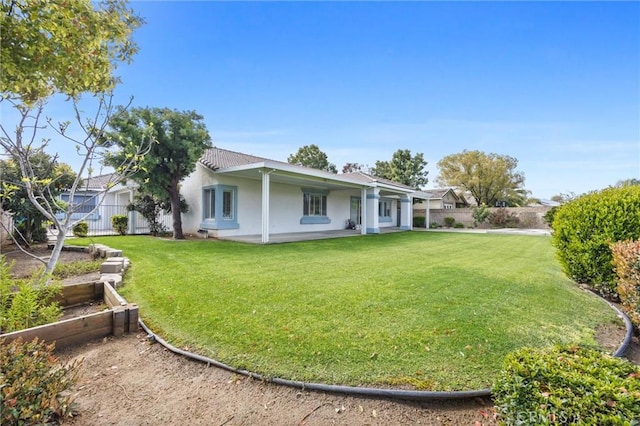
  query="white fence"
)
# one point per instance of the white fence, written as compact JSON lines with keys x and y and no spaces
{"x":100,"y":221}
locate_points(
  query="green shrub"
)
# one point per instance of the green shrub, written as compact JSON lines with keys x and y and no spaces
{"x":33,"y":384}
{"x":584,"y":228}
{"x":26,"y":303}
{"x":449,"y":221}
{"x":480,"y":214}
{"x":458,"y":225}
{"x":567,"y":385}
{"x":120,"y":223}
{"x":626,"y":262}
{"x":434,"y":225}
{"x":33,"y":231}
{"x":150,"y":208}
{"x":502,"y":218}
{"x":419,"y":221}
{"x":549,"y":215}
{"x":81,"y":229}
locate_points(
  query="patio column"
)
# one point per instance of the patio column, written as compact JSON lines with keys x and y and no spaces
{"x":405,"y":213}
{"x":426,"y":216}
{"x":372,"y":201}
{"x":265,"y":205}
{"x":363,"y":212}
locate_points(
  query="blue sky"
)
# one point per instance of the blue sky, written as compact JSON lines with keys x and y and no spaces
{"x":554,"y":84}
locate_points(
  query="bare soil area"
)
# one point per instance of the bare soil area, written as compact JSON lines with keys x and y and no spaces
{"x":131,"y":380}
{"x":24,"y":265}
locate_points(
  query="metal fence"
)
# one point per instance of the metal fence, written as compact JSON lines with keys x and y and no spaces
{"x":100,"y":221}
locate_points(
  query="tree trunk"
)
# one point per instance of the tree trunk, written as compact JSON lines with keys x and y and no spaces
{"x":55,"y":254}
{"x":174,"y":193}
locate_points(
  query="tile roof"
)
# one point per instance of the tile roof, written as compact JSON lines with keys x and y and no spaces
{"x":365,"y":177}
{"x":217,"y":158}
{"x":96,"y":182}
{"x":438,"y":192}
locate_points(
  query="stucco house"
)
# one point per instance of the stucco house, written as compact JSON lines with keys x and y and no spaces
{"x":99,"y":198}
{"x":232,"y":194}
{"x":442,"y":198}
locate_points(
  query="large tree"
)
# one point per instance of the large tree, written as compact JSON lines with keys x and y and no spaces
{"x":14,"y":198}
{"x":312,"y":156}
{"x":65,"y":48}
{"x":488,"y":177}
{"x":180,"y":140}
{"x":68,"y":47}
{"x":403,"y":168}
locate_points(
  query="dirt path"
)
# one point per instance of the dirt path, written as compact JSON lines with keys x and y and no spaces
{"x":132,"y":381}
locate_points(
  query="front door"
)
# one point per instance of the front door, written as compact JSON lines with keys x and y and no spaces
{"x":356,"y":210}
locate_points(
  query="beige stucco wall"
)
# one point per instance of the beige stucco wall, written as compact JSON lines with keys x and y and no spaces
{"x":530,"y":217}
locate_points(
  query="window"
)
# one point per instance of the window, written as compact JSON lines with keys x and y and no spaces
{"x":314,"y":206}
{"x":219,"y":207}
{"x":227,"y":204}
{"x":80,"y":203}
{"x":210,"y":203}
{"x":384,"y":209}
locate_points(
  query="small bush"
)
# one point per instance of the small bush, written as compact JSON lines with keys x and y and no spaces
{"x":458,"y":225}
{"x":626,"y":262}
{"x":434,"y":225}
{"x":584,"y":228}
{"x":567,"y":385}
{"x":81,"y":229}
{"x":449,"y":221}
{"x":419,"y":221}
{"x":120,"y":223}
{"x":549,"y":215}
{"x":480,"y":214}
{"x":34,"y":385}
{"x":26,"y":303}
{"x":33,"y":231}
{"x":502,"y":218}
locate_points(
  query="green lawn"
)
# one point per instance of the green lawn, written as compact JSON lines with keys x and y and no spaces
{"x":436,"y":311}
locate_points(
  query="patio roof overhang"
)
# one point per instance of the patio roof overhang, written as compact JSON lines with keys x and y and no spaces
{"x":277,"y":172}
{"x":295,"y":175}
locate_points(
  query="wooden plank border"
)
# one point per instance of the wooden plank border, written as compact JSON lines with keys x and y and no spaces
{"x":121,"y":318}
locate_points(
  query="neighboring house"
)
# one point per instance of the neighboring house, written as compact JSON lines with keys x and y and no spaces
{"x":99,"y":199}
{"x":443,"y":198}
{"x":233,"y":194}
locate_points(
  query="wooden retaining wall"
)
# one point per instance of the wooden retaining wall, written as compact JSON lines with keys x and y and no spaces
{"x":120,"y":318}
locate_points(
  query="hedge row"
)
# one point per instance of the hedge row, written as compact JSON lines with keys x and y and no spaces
{"x":584,"y":228}
{"x":626,"y":262}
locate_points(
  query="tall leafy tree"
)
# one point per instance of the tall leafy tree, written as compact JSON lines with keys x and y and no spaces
{"x":488,"y":177}
{"x":180,"y":140}
{"x":403,"y":168}
{"x":66,"y":47}
{"x":14,"y":198}
{"x":312,"y":156}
